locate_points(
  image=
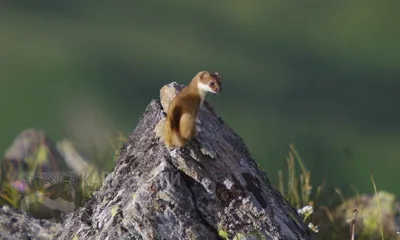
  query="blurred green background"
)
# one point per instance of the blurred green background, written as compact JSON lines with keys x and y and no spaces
{"x":323,"y":75}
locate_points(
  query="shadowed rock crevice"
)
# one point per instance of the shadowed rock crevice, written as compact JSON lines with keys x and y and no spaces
{"x":213,"y":184}
{"x":201,"y":204}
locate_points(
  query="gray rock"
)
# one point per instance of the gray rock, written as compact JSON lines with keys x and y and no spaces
{"x":17,"y":225}
{"x":211,"y":187}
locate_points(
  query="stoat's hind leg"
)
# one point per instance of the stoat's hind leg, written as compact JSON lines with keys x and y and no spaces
{"x":187,"y":126}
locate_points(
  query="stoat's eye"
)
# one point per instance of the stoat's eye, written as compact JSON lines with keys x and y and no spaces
{"x":211,"y":84}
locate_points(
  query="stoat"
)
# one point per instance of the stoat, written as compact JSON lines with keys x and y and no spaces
{"x":180,"y":124}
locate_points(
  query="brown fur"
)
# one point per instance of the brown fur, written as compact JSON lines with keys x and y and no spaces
{"x":180,"y":125}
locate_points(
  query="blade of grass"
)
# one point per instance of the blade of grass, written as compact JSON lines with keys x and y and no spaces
{"x":338,"y":192}
{"x":281,"y":185}
{"x":305,"y":185}
{"x":302,"y":189}
{"x":378,"y":202}
{"x":300,"y":161}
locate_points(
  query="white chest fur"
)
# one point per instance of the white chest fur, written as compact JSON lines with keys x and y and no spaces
{"x":203,"y":90}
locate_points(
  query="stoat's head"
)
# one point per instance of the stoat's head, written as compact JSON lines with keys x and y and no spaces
{"x":209,"y":82}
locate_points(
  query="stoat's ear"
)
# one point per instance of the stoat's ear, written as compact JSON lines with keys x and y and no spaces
{"x":202,"y":74}
{"x":217,"y":73}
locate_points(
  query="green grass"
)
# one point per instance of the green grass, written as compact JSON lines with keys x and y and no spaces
{"x":297,"y":189}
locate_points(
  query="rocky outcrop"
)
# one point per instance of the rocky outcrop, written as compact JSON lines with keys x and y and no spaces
{"x":208,"y":190}
{"x":17,"y":225}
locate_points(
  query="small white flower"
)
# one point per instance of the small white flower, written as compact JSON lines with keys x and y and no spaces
{"x":313,"y":228}
{"x":306,"y":210}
